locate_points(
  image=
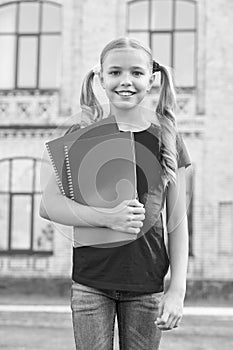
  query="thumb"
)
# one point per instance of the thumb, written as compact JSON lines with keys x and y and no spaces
{"x":160,"y":309}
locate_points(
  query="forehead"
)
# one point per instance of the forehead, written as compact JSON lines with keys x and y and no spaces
{"x":126,"y":57}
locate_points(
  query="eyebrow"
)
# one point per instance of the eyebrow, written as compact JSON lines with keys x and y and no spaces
{"x":119,"y":67}
{"x":138,"y":67}
{"x":114,"y":67}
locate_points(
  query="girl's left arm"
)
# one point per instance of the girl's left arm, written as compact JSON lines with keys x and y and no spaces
{"x":171,"y":306}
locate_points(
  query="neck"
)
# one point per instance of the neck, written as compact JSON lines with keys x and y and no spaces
{"x":132,"y":119}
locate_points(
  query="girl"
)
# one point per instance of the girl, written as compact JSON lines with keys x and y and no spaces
{"x":127,"y":281}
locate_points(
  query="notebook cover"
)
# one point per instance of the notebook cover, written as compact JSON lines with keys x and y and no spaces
{"x":102,"y":173}
{"x":55,"y":147}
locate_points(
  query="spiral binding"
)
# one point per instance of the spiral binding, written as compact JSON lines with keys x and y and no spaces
{"x":68,"y":171}
{"x":55,"y":170}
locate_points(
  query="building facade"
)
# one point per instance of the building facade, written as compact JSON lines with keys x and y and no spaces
{"x":46,"y":49}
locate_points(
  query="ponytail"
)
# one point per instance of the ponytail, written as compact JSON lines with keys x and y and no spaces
{"x":165,"y":113}
{"x":90,"y":106}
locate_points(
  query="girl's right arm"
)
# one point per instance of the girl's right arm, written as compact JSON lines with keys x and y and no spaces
{"x":126,"y":217}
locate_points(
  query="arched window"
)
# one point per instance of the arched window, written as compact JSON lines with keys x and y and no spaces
{"x":30,"y":33}
{"x":23,"y":231}
{"x":169,"y":28}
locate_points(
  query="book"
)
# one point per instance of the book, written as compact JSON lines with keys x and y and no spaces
{"x":101,"y":173}
{"x":55,"y":147}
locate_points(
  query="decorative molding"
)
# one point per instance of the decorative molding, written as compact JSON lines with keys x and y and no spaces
{"x":4,"y":109}
{"x":27,"y":114}
{"x":29,"y":107}
{"x":30,"y":133}
{"x":188,"y":123}
{"x":194,"y":126}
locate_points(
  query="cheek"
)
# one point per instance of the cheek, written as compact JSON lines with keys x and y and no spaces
{"x":143,"y":87}
{"x":112,"y":86}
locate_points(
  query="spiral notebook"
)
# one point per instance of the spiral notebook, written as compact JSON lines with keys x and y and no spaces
{"x":55,"y":147}
{"x":101,"y":173}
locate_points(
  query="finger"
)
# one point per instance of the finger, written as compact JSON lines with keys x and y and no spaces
{"x":134,"y":223}
{"x":178,"y":321}
{"x":138,"y":217}
{"x":171,"y":322}
{"x":134,"y":202}
{"x":137,"y":210}
{"x":164,"y":318}
{"x":160,"y":310}
{"x":160,"y":325}
{"x":133,"y":230}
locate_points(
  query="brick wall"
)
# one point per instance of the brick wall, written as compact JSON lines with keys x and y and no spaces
{"x":218,"y":156}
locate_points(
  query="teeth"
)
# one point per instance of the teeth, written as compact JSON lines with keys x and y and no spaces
{"x":125,"y":93}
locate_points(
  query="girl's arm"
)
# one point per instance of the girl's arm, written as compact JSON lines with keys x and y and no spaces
{"x":172,"y":304}
{"x":58,"y":208}
{"x":177,"y":228}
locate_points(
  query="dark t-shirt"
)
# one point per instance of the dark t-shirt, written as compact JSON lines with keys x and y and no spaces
{"x":141,"y":265}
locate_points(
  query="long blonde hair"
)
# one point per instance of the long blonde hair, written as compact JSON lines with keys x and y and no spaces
{"x":164,"y":110}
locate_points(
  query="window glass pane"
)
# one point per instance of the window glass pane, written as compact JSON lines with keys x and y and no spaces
{"x":51,"y":18}
{"x":161,"y":15}
{"x":7,"y":18}
{"x":138,"y":15}
{"x":27,"y":64}
{"x":142,"y":37}
{"x":4,"y":178}
{"x":185,"y":15}
{"x":184,"y":59}
{"x":7,"y":61}
{"x":43,"y":230}
{"x":50,"y":56}
{"x":4,"y":221}
{"x":29,"y":17}
{"x":21,"y":222}
{"x":22,"y":172}
{"x":161,"y":48}
{"x":43,"y":172}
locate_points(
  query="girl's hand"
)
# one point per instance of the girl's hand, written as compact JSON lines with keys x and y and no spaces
{"x":170,"y":311}
{"x":128,"y":216}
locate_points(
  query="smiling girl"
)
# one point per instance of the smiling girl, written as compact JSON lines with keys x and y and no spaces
{"x":128,"y":281}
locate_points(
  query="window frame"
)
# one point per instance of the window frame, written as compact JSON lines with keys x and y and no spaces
{"x":32,"y":194}
{"x":17,"y":34}
{"x":171,"y":32}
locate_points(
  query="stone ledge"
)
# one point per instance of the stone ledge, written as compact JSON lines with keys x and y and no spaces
{"x":59,"y":287}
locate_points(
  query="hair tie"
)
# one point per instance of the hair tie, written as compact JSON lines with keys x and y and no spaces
{"x":96,"y":69}
{"x":156,"y":67}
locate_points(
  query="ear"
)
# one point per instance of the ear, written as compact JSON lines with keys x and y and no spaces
{"x":151,"y":81}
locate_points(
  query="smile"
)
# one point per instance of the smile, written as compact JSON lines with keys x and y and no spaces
{"x":125,"y":93}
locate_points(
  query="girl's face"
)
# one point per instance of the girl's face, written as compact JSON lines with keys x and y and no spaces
{"x":126,"y":77}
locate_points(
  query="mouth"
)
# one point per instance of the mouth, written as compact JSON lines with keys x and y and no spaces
{"x":125,"y":93}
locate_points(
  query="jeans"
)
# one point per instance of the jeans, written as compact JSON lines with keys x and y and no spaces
{"x":94,"y":312}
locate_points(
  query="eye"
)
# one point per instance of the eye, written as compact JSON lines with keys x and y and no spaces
{"x":137,"y":73}
{"x":115,"y":73}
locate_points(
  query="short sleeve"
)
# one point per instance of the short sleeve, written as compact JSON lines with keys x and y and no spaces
{"x":182,"y":153}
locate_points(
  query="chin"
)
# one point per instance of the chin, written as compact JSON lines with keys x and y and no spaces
{"x":125,"y":106}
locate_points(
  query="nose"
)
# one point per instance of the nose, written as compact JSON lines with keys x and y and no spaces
{"x":126,"y":79}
